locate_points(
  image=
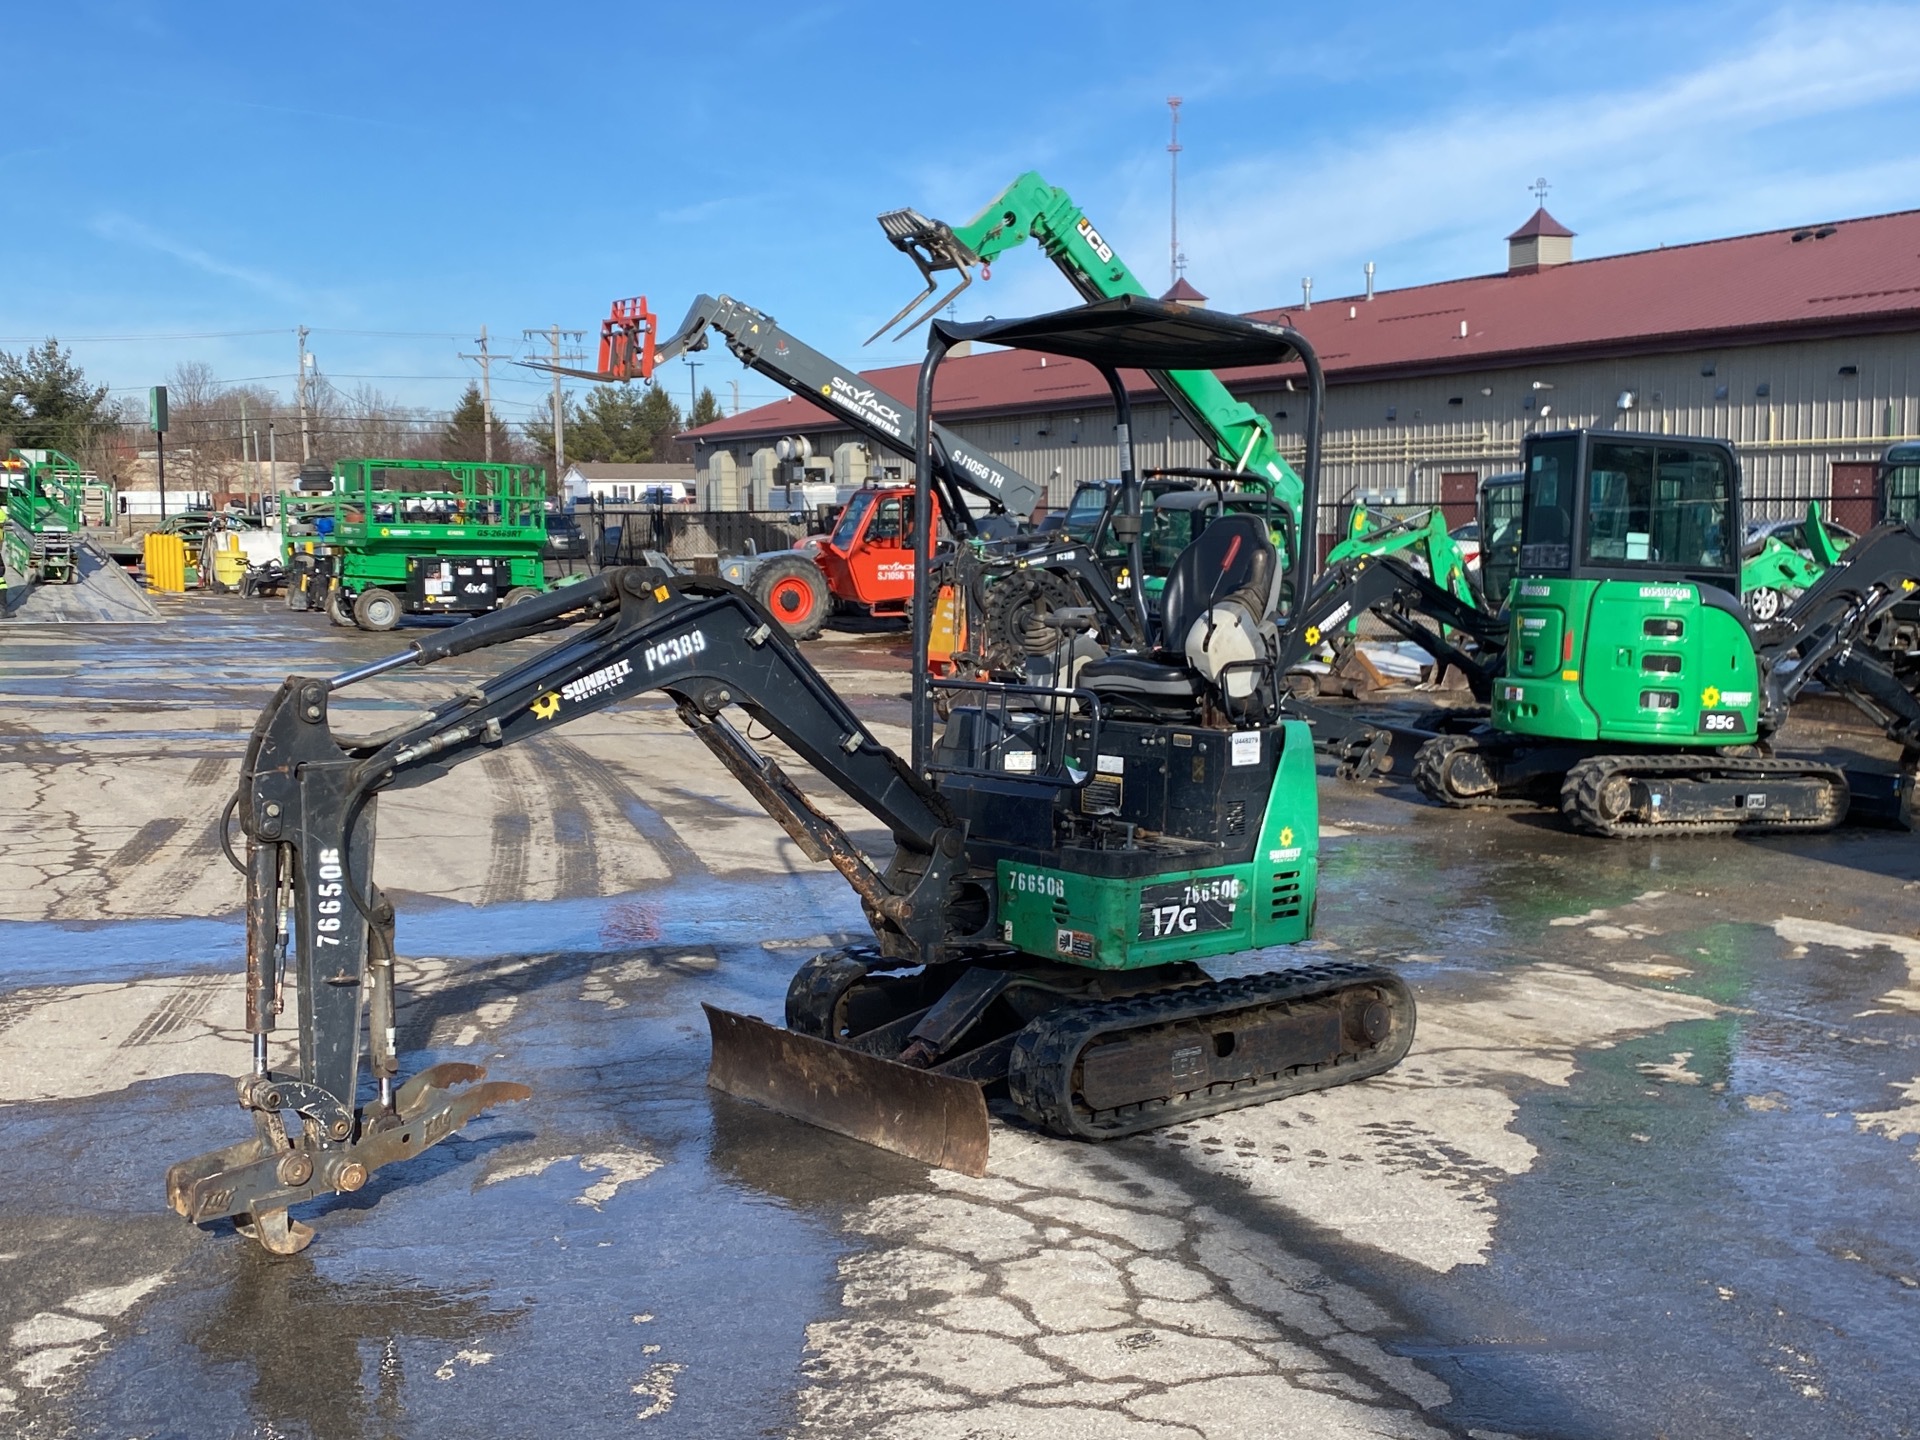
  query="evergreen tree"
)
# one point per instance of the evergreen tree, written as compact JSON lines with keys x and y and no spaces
{"x":660,"y":417}
{"x":609,"y":426}
{"x":46,"y":402}
{"x":465,"y":434}
{"x":705,"y":410}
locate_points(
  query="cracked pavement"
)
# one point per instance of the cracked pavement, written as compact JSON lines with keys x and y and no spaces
{"x":1647,"y":1170}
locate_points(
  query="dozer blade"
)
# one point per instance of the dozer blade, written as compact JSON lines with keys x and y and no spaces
{"x":935,"y":1119}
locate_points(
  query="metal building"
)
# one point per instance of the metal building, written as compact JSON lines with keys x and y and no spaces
{"x":1800,"y":346}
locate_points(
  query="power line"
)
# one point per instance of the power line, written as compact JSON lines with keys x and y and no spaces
{"x":134,"y":339}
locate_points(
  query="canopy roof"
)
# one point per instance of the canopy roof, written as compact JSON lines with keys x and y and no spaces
{"x":1134,"y":332}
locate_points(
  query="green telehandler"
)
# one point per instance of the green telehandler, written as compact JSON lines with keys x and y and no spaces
{"x":1637,"y":690}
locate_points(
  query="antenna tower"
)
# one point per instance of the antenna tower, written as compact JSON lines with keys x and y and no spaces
{"x":1176,"y":262}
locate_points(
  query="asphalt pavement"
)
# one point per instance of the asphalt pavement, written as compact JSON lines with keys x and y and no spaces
{"x":1647,"y":1171}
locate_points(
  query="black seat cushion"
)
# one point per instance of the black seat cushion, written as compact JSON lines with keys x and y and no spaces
{"x":1136,"y":676}
{"x":1232,"y":558}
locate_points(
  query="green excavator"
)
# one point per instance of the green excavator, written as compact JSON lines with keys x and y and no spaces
{"x":1637,"y":692}
{"x":1062,"y":862}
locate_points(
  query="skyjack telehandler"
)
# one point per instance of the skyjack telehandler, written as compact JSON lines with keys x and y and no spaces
{"x":1064,"y":861}
{"x":1636,"y":690}
{"x":866,"y":560}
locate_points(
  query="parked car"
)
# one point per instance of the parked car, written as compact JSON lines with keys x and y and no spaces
{"x":1467,"y":537}
{"x":565,"y":539}
{"x":1792,"y":533}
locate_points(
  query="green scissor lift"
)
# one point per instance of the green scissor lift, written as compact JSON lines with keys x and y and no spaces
{"x":416,"y":537}
{"x":44,"y":497}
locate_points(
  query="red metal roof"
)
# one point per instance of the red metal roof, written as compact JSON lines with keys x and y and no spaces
{"x":1540,"y":223}
{"x":1181,"y":292}
{"x":1851,"y":277}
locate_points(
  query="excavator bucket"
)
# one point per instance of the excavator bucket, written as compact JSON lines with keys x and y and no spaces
{"x":936,"y":1119}
{"x":933,"y":247}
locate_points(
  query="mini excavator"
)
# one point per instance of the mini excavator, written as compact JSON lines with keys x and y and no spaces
{"x":1065,"y":859}
{"x":1637,"y":690}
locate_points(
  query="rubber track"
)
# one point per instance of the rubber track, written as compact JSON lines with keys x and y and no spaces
{"x":1429,"y":777}
{"x":1580,"y":793}
{"x":1040,"y":1073}
{"x":817,"y":986}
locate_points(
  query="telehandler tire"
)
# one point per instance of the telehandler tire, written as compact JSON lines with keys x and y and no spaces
{"x":793,"y":588}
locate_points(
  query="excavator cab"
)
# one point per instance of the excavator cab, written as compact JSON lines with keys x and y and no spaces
{"x":1628,"y":623}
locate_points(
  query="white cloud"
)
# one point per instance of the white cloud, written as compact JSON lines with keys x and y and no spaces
{"x":123,"y":228}
{"x":1722,"y":148}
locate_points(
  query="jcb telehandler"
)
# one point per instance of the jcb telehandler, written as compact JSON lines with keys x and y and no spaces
{"x":1636,"y":689}
{"x":1063,"y":860}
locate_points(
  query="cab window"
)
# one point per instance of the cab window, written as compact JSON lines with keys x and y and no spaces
{"x":1903,"y":490}
{"x":850,"y":518}
{"x":1663,"y":507}
{"x":892,"y":523}
{"x":1546,"y":540}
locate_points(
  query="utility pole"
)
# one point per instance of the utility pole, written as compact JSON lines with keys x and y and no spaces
{"x":1173,"y":164}
{"x":243,"y":441}
{"x":273,"y":468}
{"x":300,"y":384}
{"x":553,"y":335}
{"x":693,"y":395}
{"x":485,"y":358}
{"x":736,"y":397}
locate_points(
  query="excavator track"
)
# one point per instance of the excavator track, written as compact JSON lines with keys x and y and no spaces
{"x":1620,"y":796}
{"x":1452,"y":770}
{"x":1098,"y":1072}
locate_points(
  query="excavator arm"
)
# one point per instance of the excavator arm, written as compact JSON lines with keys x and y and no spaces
{"x":1428,"y":538}
{"x":306,"y":805}
{"x":1822,"y":635}
{"x":1240,"y":436}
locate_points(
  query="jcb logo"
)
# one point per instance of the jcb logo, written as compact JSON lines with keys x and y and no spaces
{"x":1092,"y":237}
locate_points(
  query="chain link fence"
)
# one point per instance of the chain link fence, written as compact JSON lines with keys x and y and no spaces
{"x":693,"y":539}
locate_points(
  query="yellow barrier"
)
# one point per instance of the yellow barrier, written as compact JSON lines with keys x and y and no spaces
{"x":164,"y":557}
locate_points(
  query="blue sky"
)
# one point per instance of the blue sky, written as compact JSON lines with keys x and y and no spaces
{"x":395,"y":176}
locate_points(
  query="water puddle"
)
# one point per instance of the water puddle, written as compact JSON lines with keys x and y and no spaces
{"x":679,"y":912}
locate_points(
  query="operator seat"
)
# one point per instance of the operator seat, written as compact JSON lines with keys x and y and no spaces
{"x":1217,"y":610}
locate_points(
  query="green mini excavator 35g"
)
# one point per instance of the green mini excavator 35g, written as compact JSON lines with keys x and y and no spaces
{"x":1064,"y":861}
{"x":1637,"y":690}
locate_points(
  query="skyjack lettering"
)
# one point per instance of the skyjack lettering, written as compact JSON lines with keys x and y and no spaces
{"x":866,"y":402}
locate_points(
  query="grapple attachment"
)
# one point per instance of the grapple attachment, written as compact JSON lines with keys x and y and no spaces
{"x":256,"y":1180}
{"x":940,"y":1120}
{"x":933,"y":247}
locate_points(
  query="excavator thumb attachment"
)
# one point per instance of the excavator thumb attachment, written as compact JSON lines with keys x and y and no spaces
{"x":933,"y":247}
{"x":937,"y":1119}
{"x":256,"y":1180}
